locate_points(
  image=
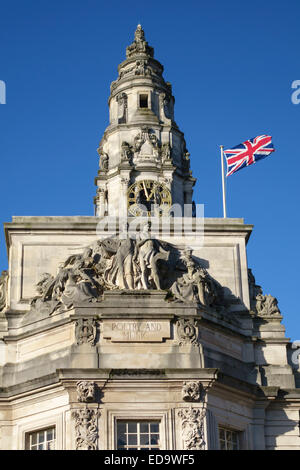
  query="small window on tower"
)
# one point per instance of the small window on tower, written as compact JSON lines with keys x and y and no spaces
{"x":143,"y":101}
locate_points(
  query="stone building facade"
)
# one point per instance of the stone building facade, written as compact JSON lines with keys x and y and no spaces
{"x":158,"y":340}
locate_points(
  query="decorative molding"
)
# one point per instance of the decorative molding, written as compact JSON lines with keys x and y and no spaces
{"x":86,"y":428}
{"x":192,"y":421}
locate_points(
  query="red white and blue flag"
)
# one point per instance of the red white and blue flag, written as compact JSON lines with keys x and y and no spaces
{"x":248,"y":152}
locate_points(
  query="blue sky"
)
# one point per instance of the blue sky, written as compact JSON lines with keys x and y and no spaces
{"x":231,"y":65}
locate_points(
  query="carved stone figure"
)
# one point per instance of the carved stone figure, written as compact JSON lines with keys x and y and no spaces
{"x":122,"y":108}
{"x":166,"y":108}
{"x":104,"y":159}
{"x":195,"y":285}
{"x":166,"y":153}
{"x":186,"y":161}
{"x":126,"y":152}
{"x":139,"y":45}
{"x":85,"y":331}
{"x":85,"y":391}
{"x":121,"y":271}
{"x":260,"y":304}
{"x":3,"y":290}
{"x":138,"y":142}
{"x":45,"y":292}
{"x":126,"y":263}
{"x":149,"y":252}
{"x":192,"y":420}
{"x":267,"y":305}
{"x":187,"y":331}
{"x":86,"y":428}
{"x":141,"y":68}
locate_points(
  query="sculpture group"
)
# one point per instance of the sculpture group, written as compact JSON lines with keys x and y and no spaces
{"x":127,"y":264}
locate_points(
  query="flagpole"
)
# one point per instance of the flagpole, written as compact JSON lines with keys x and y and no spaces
{"x":223,"y":183}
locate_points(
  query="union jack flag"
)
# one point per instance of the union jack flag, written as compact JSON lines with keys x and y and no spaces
{"x":248,"y":152}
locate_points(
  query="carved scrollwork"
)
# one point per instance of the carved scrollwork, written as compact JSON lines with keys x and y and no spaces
{"x":86,"y":428}
{"x":187,"y":331}
{"x":192,"y":420}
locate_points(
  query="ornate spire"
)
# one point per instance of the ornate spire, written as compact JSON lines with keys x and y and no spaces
{"x":139,"y":45}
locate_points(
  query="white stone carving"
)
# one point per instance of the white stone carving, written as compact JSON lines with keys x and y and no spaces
{"x":187,"y":331}
{"x":86,"y":428}
{"x":126,"y":263}
{"x":85,"y":331}
{"x":192,"y":391}
{"x":192,"y":420}
{"x":86,"y":391}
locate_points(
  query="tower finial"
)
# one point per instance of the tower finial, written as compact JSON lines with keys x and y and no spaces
{"x":139,"y":34}
{"x":139,"y":45}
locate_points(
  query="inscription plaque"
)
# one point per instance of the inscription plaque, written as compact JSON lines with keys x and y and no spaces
{"x":142,"y":331}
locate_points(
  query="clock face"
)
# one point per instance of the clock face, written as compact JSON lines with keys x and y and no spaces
{"x":149,"y":198}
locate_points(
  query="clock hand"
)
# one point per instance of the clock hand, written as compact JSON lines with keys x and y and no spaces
{"x":146,"y":192}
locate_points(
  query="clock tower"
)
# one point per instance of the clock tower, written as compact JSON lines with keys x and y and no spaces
{"x":144,"y":161}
